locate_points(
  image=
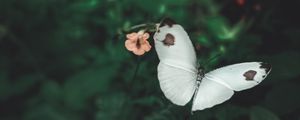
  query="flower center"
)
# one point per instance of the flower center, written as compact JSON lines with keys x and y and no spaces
{"x":138,"y":43}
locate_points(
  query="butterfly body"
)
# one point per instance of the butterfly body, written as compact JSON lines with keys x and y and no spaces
{"x":180,"y":79}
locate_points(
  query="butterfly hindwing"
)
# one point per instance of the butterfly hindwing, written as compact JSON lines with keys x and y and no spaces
{"x":178,"y":85}
{"x":209,"y":94}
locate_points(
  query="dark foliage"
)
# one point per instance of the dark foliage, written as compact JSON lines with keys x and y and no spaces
{"x":66,"y":60}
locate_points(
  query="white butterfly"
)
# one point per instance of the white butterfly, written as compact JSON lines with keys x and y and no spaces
{"x":180,"y":79}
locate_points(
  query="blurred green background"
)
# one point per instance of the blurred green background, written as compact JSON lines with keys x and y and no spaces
{"x":66,"y":60}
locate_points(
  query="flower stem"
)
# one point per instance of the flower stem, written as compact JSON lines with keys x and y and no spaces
{"x":139,"y":26}
{"x":136,"y":69}
{"x":151,"y":27}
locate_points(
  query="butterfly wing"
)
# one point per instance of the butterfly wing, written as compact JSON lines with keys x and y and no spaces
{"x":177,"y":67}
{"x":173,"y":45}
{"x":178,"y":85}
{"x":219,"y":85}
{"x":209,"y":94}
{"x":240,"y":76}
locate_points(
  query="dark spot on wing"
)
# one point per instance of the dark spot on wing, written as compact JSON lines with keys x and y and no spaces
{"x":169,"y":40}
{"x":167,"y":21}
{"x":250,"y":75}
{"x":265,"y":66}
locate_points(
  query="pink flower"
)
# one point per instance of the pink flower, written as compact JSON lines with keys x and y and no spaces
{"x":137,"y":42}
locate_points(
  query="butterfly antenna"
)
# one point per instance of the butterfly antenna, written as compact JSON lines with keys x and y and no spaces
{"x":162,"y":20}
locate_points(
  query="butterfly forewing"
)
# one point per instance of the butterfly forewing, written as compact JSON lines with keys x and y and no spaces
{"x":174,"y":46}
{"x":240,"y":76}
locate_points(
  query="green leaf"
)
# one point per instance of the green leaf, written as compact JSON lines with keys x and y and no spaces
{"x":114,"y":107}
{"x":260,"y":113}
{"x":230,"y":112}
{"x":283,"y":98}
{"x":51,"y":91}
{"x":88,"y":83}
{"x":149,"y":101}
{"x":285,"y":66}
{"x":163,"y":114}
{"x":47,"y":112}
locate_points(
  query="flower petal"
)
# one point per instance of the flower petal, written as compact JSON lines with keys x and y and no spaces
{"x":146,"y":46}
{"x":130,"y":45}
{"x":132,"y":36}
{"x":145,"y":36}
{"x":139,"y":51}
